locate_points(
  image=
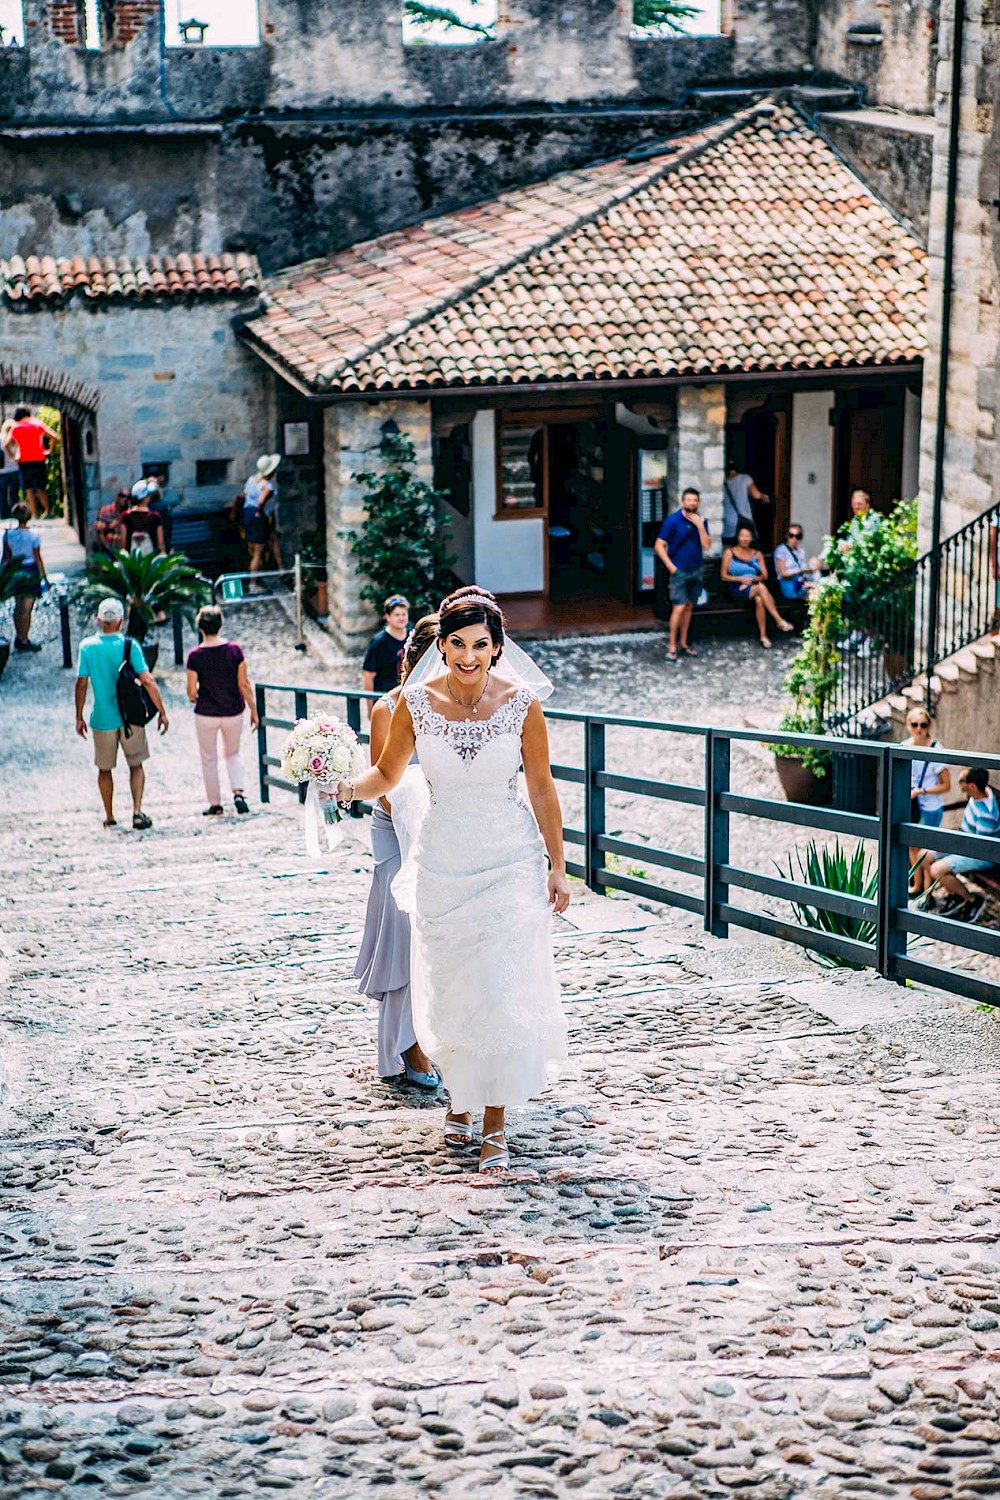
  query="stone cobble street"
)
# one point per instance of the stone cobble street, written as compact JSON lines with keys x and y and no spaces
{"x":750,"y":1245}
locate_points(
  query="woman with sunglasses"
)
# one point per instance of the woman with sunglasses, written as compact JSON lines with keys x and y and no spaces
{"x":796,"y":574}
{"x":929,"y":783}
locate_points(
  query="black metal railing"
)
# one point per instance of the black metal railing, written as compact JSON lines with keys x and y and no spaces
{"x":887,"y":643}
{"x":715,"y":885}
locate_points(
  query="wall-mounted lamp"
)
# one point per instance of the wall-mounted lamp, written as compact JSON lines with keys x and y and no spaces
{"x":193,"y":32}
{"x":389,"y":429}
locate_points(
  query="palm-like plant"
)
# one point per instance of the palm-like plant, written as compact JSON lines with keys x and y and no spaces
{"x":831,"y":868}
{"x":148,"y":585}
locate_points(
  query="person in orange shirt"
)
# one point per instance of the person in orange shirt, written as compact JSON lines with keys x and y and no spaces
{"x":34,"y":440}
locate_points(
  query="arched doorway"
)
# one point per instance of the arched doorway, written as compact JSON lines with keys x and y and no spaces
{"x":77,"y":402}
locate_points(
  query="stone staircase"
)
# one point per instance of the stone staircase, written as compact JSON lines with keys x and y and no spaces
{"x":750,"y":1247}
{"x":964,"y":694}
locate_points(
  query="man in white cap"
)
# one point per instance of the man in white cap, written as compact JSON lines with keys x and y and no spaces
{"x":260,"y":499}
{"x":101,"y":657}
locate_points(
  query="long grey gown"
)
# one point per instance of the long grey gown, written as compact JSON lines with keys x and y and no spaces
{"x":383,"y":966}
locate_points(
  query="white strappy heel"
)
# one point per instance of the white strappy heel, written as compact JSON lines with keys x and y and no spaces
{"x":457,"y":1132}
{"x":500,"y":1160}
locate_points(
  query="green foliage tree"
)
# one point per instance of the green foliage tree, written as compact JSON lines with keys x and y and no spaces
{"x":428,"y":15}
{"x":876,"y":567}
{"x":403,"y":544}
{"x":657,"y":15}
{"x":147,"y":586}
{"x":647,"y":15}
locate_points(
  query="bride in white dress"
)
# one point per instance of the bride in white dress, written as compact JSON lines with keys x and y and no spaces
{"x":484,"y":990}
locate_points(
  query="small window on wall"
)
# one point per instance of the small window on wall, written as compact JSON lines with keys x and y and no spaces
{"x":453,"y":466}
{"x":212,"y":470}
{"x":211,"y":23}
{"x":156,"y":470}
{"x":11,"y":23}
{"x":523,"y":479}
{"x":459,"y":23}
{"x":666,"y":18}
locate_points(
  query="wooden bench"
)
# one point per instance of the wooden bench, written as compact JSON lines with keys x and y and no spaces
{"x":721,"y":614}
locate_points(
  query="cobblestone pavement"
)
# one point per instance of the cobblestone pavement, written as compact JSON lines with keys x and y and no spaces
{"x":750,"y":1246}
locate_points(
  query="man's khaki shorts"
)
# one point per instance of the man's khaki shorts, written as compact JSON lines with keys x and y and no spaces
{"x":106,"y":742}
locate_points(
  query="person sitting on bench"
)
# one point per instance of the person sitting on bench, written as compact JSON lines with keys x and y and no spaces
{"x":796,"y":575}
{"x":982,"y":816}
{"x":744,"y":572}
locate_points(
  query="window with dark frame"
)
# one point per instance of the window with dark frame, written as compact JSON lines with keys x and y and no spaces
{"x":522,"y":470}
{"x":209,"y":471}
{"x":156,"y":470}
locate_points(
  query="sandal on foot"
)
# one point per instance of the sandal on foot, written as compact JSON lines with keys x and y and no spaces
{"x":240,"y":803}
{"x":670,"y":656}
{"x":500,"y":1160}
{"x":215,"y":811}
{"x":141,"y":820}
{"x":688,"y":651}
{"x":111,"y":822}
{"x":457,"y":1132}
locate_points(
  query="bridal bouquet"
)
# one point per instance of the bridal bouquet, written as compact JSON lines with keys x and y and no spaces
{"x":319,"y":752}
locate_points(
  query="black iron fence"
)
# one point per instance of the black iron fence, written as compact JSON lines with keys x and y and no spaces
{"x":713,"y":884}
{"x":887,"y":643}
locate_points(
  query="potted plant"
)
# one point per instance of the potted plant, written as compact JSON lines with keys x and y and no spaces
{"x":148,"y":586}
{"x":805,"y":773}
{"x":313,"y":554}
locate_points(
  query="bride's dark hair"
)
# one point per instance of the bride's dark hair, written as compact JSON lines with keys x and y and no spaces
{"x":472,"y":606}
{"x":423,"y":635}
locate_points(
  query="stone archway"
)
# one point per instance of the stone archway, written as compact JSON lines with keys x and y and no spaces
{"x":77,"y":401}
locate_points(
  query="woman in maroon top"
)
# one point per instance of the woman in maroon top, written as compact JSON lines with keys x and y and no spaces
{"x":218,"y":686}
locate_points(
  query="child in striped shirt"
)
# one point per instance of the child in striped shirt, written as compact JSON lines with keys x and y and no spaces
{"x":982,"y":816}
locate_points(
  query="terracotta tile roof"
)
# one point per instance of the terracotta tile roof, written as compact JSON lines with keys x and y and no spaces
{"x":44,"y":281}
{"x":750,"y":247}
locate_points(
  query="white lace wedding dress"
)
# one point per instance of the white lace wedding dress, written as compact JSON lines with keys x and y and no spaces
{"x":485,"y":997}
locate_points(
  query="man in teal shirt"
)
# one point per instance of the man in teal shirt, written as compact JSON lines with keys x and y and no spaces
{"x":101,"y":657}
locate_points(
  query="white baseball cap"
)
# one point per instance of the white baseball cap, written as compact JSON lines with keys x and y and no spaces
{"x":110,"y":609}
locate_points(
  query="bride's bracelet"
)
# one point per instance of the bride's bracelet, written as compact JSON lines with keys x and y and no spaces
{"x":348,"y":800}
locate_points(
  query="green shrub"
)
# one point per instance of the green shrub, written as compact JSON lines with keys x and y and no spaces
{"x":831,"y":868}
{"x":402,"y":546}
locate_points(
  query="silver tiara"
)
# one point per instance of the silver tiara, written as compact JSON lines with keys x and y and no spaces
{"x":476,"y":598}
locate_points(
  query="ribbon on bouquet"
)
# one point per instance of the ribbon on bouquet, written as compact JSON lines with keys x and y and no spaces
{"x":322,"y":819}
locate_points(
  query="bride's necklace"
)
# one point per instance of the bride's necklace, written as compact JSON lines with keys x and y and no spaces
{"x":473,"y":706}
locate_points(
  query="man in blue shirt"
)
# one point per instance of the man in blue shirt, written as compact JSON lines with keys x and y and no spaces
{"x":681,"y":546}
{"x":101,"y":657}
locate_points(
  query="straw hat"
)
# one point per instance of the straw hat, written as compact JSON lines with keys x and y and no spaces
{"x":267,"y":463}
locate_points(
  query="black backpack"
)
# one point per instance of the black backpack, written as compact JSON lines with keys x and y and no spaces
{"x":134,"y":703}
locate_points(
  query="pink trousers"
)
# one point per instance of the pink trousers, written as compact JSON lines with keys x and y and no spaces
{"x":208,"y":727}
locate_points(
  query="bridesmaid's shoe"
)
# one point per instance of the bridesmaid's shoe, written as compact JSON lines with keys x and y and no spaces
{"x":457,"y":1132}
{"x":500,"y":1160}
{"x":429,"y":1081}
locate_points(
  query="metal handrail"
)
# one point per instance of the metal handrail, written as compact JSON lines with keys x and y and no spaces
{"x":720,"y":877}
{"x":957,"y":579}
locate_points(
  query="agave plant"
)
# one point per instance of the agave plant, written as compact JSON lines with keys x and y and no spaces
{"x":147,"y":585}
{"x":831,"y":868}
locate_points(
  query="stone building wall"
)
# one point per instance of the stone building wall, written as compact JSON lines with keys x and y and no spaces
{"x":174,"y":386}
{"x":352,"y":439}
{"x":332,"y":129}
{"x":887,"y":47}
{"x":972,"y":469}
{"x":699,"y":458}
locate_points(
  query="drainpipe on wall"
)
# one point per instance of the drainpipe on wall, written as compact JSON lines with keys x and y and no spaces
{"x":934,"y":606}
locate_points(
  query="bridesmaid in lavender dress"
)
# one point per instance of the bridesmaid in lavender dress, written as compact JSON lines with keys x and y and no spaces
{"x":383,"y":966}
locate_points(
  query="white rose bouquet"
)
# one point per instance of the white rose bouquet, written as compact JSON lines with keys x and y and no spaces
{"x":320,"y":751}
